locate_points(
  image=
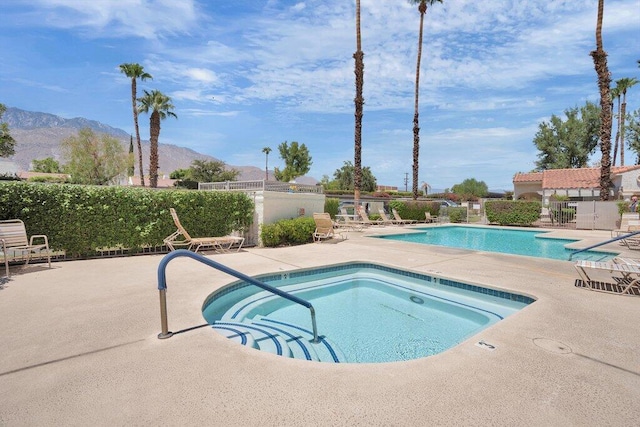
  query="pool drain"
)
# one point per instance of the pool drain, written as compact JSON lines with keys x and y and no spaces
{"x":416,"y":299}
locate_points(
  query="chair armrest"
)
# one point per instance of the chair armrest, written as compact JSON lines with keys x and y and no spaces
{"x":39,"y":236}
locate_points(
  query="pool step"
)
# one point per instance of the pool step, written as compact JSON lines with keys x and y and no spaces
{"x":280,"y":338}
{"x":325,"y":350}
{"x":264,"y":340}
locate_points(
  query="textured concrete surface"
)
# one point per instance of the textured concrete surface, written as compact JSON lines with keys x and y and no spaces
{"x":78,"y":346}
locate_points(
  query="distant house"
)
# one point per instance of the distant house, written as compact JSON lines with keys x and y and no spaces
{"x":577,"y":184}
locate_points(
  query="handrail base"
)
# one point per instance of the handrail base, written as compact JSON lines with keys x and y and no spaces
{"x":162,"y":336}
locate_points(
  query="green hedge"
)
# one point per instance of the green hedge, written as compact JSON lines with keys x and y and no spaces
{"x":81,"y":219}
{"x":415,"y":209}
{"x":331,"y":205}
{"x":287,"y":232}
{"x":513,"y":212}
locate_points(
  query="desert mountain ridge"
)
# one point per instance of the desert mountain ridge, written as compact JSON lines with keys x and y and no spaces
{"x":38,"y":136}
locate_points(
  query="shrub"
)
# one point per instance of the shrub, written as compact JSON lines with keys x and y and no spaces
{"x":455,"y":214}
{"x":512,"y":212}
{"x":331,"y":205}
{"x":80,"y":219}
{"x":415,"y":209}
{"x":287,"y":232}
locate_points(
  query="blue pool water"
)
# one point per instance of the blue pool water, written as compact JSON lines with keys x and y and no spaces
{"x":518,"y":242}
{"x":366,"y":313}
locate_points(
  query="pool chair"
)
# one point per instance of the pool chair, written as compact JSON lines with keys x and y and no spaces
{"x":325,"y":228}
{"x":16,"y":245}
{"x":348,"y":221}
{"x":398,"y":218}
{"x":364,"y":217}
{"x":181,"y":238}
{"x":430,"y":219}
{"x":385,"y":218}
{"x":623,"y":276}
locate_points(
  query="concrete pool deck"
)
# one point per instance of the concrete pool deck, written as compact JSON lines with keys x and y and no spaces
{"x":79,"y":346}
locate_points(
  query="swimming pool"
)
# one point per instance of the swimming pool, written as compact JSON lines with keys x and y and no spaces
{"x":366,"y":313}
{"x":518,"y":242}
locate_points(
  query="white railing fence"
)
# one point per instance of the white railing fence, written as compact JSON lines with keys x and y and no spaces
{"x":261,"y":185}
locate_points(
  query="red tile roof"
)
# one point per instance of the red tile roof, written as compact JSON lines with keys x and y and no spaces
{"x":569,"y":178}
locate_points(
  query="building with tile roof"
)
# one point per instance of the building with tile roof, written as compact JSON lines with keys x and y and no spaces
{"x":577,"y":184}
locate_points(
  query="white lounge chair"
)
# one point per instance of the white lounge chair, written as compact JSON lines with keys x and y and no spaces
{"x":625,"y":276}
{"x":15,"y":245}
{"x":326,"y":228}
{"x":398,"y":218}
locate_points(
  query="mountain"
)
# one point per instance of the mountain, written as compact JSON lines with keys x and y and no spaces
{"x":38,"y":136}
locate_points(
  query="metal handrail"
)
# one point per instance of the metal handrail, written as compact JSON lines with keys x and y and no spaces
{"x":162,"y":287}
{"x":614,"y":239}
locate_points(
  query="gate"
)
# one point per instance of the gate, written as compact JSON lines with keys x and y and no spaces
{"x":596,"y":215}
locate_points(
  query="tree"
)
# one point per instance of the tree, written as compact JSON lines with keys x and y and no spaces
{"x":48,"y":165}
{"x":296,"y":159}
{"x":266,"y":151}
{"x":470,"y":188}
{"x":131,"y":168}
{"x":136,"y":71}
{"x":604,"y":81}
{"x":634,"y":133}
{"x":358,"y":56}
{"x":161,"y":108}
{"x":344,"y":178}
{"x":93,"y":159}
{"x":7,"y":143}
{"x":211,"y":171}
{"x":422,"y":8}
{"x":568,"y":143}
{"x":615,"y":95}
{"x":623,"y":85}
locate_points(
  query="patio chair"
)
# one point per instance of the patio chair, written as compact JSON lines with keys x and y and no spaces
{"x":325,"y":228}
{"x":385,"y":218}
{"x":632,"y":242}
{"x":398,"y":218}
{"x":625,"y":276}
{"x":220,"y":243}
{"x":364,"y":217}
{"x":428,"y":218}
{"x":17,"y":246}
{"x":349,"y":221}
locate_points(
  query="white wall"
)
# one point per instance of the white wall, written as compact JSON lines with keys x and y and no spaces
{"x":273,"y":206}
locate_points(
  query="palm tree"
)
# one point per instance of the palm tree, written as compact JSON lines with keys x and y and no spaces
{"x":604,"y":80}
{"x":615,"y":94}
{"x":266,"y":150}
{"x":359,"y":102}
{"x":623,"y":85}
{"x":422,"y":8}
{"x":134,"y":72}
{"x":161,"y":107}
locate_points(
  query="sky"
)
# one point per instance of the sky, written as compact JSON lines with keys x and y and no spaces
{"x":248,"y":74}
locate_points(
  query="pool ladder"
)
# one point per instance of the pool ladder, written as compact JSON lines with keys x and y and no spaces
{"x":162,"y":287}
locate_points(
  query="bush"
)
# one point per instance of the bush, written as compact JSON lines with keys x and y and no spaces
{"x":287,"y":232}
{"x":513,"y":212}
{"x":415,"y":209}
{"x":455,"y":214}
{"x":80,"y":219}
{"x":331,"y":205}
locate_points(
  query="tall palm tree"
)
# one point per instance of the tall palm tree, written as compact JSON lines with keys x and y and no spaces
{"x":134,"y":72}
{"x":161,"y":107}
{"x":266,"y":150}
{"x":623,"y":85}
{"x":422,"y":8}
{"x":604,"y":81}
{"x":615,"y":94}
{"x":359,"y":102}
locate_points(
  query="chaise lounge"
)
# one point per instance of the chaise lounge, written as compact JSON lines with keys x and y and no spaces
{"x":221,"y":243}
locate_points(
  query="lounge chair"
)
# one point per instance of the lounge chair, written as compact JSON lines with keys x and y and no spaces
{"x":385,"y":218}
{"x":17,"y":246}
{"x":325,"y":228}
{"x":221,"y":243}
{"x":630,"y":226}
{"x":429,"y":218}
{"x":625,"y":276}
{"x":398,"y":218}
{"x":349,"y":221}
{"x":364,"y":217}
